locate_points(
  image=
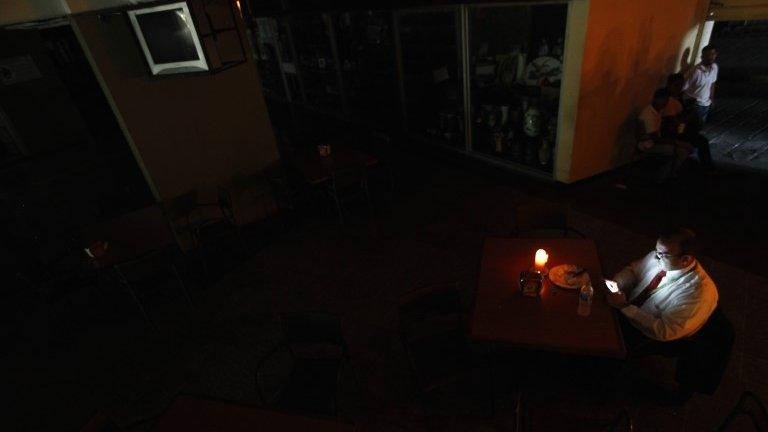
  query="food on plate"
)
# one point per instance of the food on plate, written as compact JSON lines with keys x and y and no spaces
{"x":573,"y":274}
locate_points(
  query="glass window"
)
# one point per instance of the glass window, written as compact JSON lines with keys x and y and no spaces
{"x":367,"y":57}
{"x":316,"y":64}
{"x":432,"y":77}
{"x":515,"y":67}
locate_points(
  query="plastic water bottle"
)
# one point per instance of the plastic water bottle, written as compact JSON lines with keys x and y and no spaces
{"x":585,"y":299}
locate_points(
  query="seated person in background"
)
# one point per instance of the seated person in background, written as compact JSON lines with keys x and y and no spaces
{"x":665,"y":295}
{"x":674,"y":108}
{"x":652,"y":140}
{"x":681,"y":124}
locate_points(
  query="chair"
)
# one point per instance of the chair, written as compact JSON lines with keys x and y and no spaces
{"x":283,"y":185}
{"x":431,"y":326}
{"x":149,"y":269}
{"x":701,"y":358}
{"x":255,"y":187}
{"x":49,"y":270}
{"x":100,"y":422}
{"x":543,"y":220}
{"x":348,"y":184}
{"x":199,"y":224}
{"x":623,"y":421}
{"x":751,"y":406}
{"x":667,"y":163}
{"x":550,"y":418}
{"x":379,"y":162}
{"x":313,"y":354}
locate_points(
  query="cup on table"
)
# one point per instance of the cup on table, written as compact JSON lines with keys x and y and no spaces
{"x":324,"y":150}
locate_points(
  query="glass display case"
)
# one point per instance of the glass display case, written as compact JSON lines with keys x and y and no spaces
{"x":484,"y":80}
{"x":515,"y":70}
{"x":431,"y":75}
{"x":367,"y":57}
{"x":316,"y":61}
{"x":265,"y":43}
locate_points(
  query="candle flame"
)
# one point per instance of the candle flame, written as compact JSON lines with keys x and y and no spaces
{"x":541,"y":258}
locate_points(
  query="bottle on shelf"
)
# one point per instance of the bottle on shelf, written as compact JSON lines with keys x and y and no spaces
{"x":501,"y":131}
{"x":548,"y":143}
{"x":543,"y":48}
{"x":532,"y":120}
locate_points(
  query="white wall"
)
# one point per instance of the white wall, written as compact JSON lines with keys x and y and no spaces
{"x":575,"y":38}
{"x":18,"y":11}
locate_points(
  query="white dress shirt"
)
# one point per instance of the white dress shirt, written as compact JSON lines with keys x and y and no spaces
{"x":677,"y":308}
{"x":699,"y":85}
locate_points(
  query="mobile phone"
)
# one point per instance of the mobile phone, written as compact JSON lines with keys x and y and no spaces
{"x":612,"y":285}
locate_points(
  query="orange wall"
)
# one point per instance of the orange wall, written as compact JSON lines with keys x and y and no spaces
{"x":630,"y":48}
{"x":188,"y":130}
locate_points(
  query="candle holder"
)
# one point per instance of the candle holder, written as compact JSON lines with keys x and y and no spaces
{"x":531,"y":282}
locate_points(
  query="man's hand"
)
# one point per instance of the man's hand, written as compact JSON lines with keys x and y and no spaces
{"x":617,"y":300}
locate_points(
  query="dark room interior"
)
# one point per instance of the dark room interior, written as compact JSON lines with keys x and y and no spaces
{"x":294,"y":215}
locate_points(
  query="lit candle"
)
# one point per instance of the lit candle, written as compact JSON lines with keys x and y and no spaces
{"x":540,"y":260}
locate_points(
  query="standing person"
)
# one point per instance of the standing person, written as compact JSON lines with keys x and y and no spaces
{"x":683,"y":124}
{"x":700,"y":82}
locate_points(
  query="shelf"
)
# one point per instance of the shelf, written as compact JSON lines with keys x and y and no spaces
{"x":315,"y":69}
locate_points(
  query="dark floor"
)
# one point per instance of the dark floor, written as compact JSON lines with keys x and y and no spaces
{"x":98,"y":354}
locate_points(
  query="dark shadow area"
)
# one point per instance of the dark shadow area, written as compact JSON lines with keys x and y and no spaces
{"x":340,"y":281}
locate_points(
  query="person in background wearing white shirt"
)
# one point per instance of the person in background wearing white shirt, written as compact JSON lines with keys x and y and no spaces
{"x":666,"y":295}
{"x":700,"y":82}
{"x":682,"y":124}
{"x":651,"y":139}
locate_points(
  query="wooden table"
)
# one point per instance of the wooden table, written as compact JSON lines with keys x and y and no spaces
{"x":191,"y":414}
{"x":317,"y":169}
{"x":504,"y":317}
{"x":129,"y":236}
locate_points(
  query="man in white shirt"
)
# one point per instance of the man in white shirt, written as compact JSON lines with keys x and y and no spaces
{"x":700,"y":83}
{"x":666,"y":295}
{"x":683,"y":124}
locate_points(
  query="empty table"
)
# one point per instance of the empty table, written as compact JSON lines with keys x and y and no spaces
{"x":317,"y":169}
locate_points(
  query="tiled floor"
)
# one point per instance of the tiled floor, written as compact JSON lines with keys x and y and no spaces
{"x":100,"y":355}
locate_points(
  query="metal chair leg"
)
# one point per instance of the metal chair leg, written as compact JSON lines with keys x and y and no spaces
{"x":368,"y":196}
{"x":182,"y":284}
{"x":135,"y":298}
{"x":338,"y":208}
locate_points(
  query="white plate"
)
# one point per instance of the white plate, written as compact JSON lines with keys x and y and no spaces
{"x":558,"y":276}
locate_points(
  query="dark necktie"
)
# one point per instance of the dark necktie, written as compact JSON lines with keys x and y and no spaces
{"x":647,"y":291}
